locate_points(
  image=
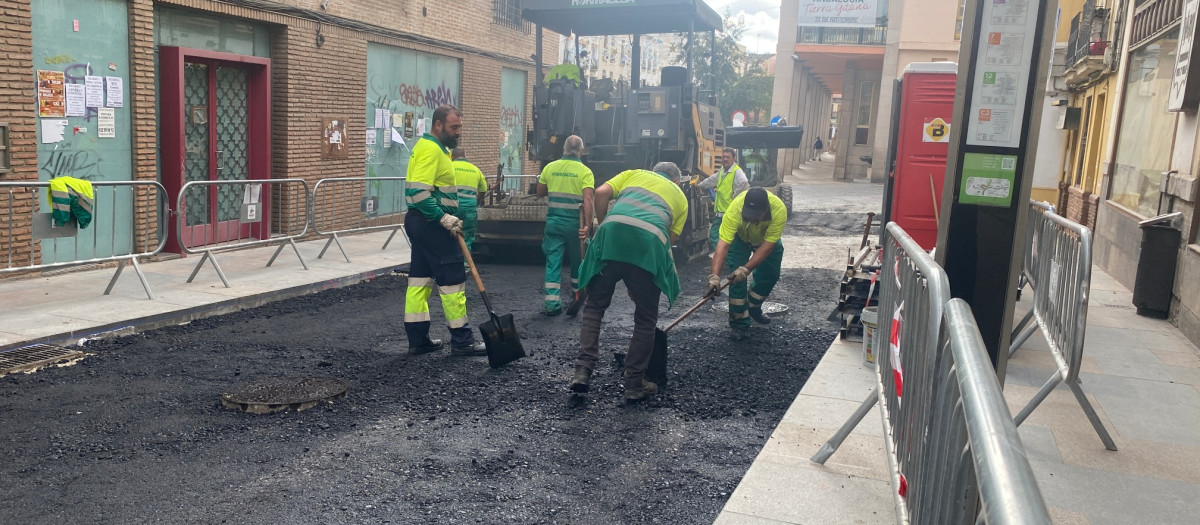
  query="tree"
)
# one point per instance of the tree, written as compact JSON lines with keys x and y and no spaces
{"x":738,"y":83}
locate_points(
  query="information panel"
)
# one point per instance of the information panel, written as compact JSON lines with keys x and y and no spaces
{"x":1000,"y":87}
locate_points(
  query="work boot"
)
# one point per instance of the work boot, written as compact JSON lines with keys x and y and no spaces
{"x":759,"y":317}
{"x":739,"y":333}
{"x":474,"y":349}
{"x":579,"y":383}
{"x":634,"y":395}
{"x":552,"y":312}
{"x":432,"y":346}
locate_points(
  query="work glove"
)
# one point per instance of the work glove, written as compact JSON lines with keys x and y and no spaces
{"x":739,"y":275}
{"x":714,"y":284}
{"x":452,"y":224}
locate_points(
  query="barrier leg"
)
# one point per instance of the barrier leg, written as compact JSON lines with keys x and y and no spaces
{"x":1038,"y":397}
{"x":141,"y":276}
{"x":208,"y":256}
{"x":834,"y":442}
{"x":389,"y":239}
{"x":1023,"y":336}
{"x":332,"y":239}
{"x":294,"y":248}
{"x":1092,"y":416}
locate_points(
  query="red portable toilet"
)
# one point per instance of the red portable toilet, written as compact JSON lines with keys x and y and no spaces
{"x":920,"y":138}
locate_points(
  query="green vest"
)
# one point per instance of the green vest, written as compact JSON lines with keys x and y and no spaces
{"x":724,"y":188}
{"x":565,"y":180}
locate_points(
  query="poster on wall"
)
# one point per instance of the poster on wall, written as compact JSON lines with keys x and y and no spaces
{"x":333,"y":138}
{"x":51,"y":94}
{"x":838,"y":13}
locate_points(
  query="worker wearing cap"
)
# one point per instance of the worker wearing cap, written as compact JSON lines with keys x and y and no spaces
{"x":633,"y":245}
{"x":470,"y":184}
{"x":432,"y":195}
{"x":749,"y":243}
{"x":568,"y":184}
{"x":726,"y":184}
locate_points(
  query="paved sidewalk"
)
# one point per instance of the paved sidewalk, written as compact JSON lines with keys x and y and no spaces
{"x":1142,"y":376}
{"x":67,"y":306}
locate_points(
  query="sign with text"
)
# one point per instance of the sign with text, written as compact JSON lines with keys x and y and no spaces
{"x":838,"y":13}
{"x":1000,"y":87}
{"x":1185,"y":90}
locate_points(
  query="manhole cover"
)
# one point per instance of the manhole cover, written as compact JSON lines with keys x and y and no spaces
{"x":283,"y":393}
{"x":33,"y":357}
{"x":769,"y":308}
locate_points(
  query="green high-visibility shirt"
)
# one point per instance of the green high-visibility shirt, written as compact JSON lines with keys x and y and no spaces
{"x":565,"y":180}
{"x":754,"y":233}
{"x":470,"y":183}
{"x":648,"y":208}
{"x":430,"y":186}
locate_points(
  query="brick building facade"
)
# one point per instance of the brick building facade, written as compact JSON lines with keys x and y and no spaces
{"x":319,"y":69}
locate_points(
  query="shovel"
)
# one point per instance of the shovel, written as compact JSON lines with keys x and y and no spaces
{"x":499,"y":332}
{"x":580,"y":294}
{"x":656,"y":370}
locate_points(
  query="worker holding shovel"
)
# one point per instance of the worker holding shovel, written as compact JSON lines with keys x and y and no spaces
{"x":749,"y":243}
{"x":633,"y":245}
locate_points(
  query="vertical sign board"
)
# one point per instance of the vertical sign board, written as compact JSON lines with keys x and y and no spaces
{"x":512,"y":124}
{"x":1185,"y":87}
{"x":1003,"y":63}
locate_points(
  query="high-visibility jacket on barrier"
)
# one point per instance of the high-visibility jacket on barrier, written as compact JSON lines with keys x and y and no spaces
{"x":71,"y":197}
{"x":430,"y":186}
{"x":565,"y":180}
{"x":470,"y":182}
{"x":648,"y":209}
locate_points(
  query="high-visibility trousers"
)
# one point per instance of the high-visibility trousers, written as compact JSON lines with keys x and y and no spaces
{"x":764,"y":278}
{"x":714,"y":232}
{"x":469,"y":216}
{"x":560,"y":245}
{"x":436,"y":259}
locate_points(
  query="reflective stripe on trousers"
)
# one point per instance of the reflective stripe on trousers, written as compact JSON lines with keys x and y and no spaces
{"x":764,"y":278}
{"x":560,"y":246}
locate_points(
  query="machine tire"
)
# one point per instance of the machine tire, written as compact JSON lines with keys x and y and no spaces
{"x":785,"y":195}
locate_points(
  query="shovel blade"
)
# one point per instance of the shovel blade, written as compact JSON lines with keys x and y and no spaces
{"x":656,"y":370}
{"x":500,"y":337}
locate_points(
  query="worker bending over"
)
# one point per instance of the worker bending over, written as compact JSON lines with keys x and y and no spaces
{"x":727,"y":183}
{"x":633,"y":245}
{"x":749,"y":243}
{"x":569,"y":184}
{"x":432,"y":195}
{"x":471,"y":184}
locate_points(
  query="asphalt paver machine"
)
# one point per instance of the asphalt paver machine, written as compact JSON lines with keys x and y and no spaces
{"x":623,"y":127}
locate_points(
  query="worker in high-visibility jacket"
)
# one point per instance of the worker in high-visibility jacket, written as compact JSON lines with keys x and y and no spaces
{"x":471,"y":184}
{"x":568,"y":184}
{"x":750,"y":242}
{"x":727,"y":183}
{"x":432,"y":195}
{"x":633,"y":246}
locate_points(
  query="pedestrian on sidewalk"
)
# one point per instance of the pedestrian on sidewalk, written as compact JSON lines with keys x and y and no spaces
{"x":567,"y":183}
{"x":432,"y":195}
{"x":728,"y":182}
{"x":471,"y":183}
{"x":817,"y":147}
{"x":632,"y":245}
{"x":750,"y":242}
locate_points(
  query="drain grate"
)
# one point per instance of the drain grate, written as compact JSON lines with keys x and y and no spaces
{"x":33,"y":357}
{"x":269,"y":395}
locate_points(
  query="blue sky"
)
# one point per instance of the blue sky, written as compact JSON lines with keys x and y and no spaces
{"x":762,"y":21}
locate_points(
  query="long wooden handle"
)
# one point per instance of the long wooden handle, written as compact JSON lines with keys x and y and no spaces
{"x":462,"y":243}
{"x":706,"y":299}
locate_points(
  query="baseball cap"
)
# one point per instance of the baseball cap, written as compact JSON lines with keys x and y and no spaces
{"x":757,"y":207}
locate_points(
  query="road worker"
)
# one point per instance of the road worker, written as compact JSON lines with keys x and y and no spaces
{"x":727,"y":183}
{"x":471,"y":184}
{"x":749,"y":243}
{"x":633,"y":245}
{"x":568,"y":184}
{"x":432,"y":195}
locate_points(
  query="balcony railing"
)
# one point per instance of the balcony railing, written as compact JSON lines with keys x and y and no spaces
{"x":1152,"y":17}
{"x":1089,"y":33}
{"x":854,"y":36}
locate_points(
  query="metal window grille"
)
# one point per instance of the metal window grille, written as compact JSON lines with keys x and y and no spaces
{"x":5,"y":157}
{"x":507,"y":13}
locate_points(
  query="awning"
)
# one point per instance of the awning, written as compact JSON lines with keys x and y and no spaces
{"x":621,"y":17}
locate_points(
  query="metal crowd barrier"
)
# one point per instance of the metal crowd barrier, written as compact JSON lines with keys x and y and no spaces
{"x":259,"y":221}
{"x":1060,"y":306}
{"x":1033,"y":225}
{"x":129,"y":220}
{"x":357,"y":205}
{"x":923,"y":422}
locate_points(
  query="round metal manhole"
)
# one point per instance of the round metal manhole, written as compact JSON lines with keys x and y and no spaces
{"x":276,"y":394}
{"x":769,"y":308}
